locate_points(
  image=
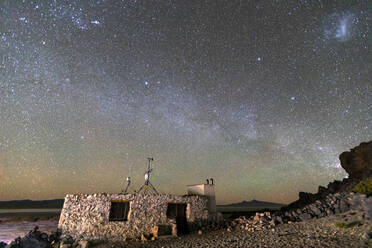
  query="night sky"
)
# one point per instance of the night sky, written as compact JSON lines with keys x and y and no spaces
{"x":262,"y":96}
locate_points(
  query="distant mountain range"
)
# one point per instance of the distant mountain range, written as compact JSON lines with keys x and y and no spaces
{"x":56,"y":203}
{"x":254,"y":203}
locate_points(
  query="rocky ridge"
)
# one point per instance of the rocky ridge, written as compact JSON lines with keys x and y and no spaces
{"x":334,"y":199}
{"x":334,"y":204}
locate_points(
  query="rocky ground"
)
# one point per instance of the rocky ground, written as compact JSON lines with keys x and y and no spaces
{"x":349,"y":229}
{"x":321,"y":232}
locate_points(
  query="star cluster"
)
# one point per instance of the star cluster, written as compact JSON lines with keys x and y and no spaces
{"x":260,"y":95}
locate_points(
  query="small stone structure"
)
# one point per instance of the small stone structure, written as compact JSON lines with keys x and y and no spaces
{"x":122,"y":216}
{"x":207,"y":190}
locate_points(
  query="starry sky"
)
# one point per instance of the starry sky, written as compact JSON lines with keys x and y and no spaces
{"x":262,"y":96}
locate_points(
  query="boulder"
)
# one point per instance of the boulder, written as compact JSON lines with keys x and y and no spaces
{"x":358,"y":162}
{"x":67,"y":240}
{"x":315,"y":209}
{"x":343,"y":206}
{"x":2,"y":244}
{"x":278,"y":219}
{"x":305,"y":216}
{"x":55,"y":236}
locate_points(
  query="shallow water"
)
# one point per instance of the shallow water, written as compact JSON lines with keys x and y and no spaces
{"x":28,"y":210}
{"x":11,"y":230}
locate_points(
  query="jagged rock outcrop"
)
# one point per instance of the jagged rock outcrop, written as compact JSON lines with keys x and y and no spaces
{"x":331,"y":204}
{"x":334,"y":187}
{"x":336,"y":198}
{"x":346,"y":202}
{"x":34,"y":239}
{"x":358,"y":162}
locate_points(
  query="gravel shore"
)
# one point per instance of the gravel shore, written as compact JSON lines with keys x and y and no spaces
{"x":352,"y":230}
{"x":312,"y":233}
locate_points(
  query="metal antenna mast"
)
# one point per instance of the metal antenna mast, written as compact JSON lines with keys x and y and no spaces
{"x":128,"y":180}
{"x":128,"y":184}
{"x":147,"y":185}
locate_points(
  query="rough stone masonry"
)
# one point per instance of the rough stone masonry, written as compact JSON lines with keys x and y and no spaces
{"x":87,"y":216}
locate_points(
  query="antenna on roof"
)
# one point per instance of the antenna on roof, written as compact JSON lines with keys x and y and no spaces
{"x":147,"y":185}
{"x":128,"y":180}
{"x":128,"y":184}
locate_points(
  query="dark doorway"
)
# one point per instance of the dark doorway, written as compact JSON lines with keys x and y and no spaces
{"x":178,"y":211}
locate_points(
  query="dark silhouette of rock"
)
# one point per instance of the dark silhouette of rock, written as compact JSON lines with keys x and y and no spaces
{"x":34,"y":239}
{"x":322,"y":190}
{"x":2,"y":244}
{"x":358,"y":162}
{"x":307,"y":197}
{"x":305,"y":216}
{"x":55,"y":236}
{"x":332,"y":204}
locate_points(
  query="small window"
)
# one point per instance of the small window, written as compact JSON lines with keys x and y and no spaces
{"x":175,"y":210}
{"x":119,"y":211}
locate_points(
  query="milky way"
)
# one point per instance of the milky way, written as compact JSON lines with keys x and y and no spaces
{"x":260,"y":95}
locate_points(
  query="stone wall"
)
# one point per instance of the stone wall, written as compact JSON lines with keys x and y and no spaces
{"x":207,"y":190}
{"x":87,"y":216}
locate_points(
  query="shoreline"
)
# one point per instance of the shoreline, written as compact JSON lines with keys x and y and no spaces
{"x":28,"y":217}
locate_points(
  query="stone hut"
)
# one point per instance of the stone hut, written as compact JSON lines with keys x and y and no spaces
{"x":121,"y":216}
